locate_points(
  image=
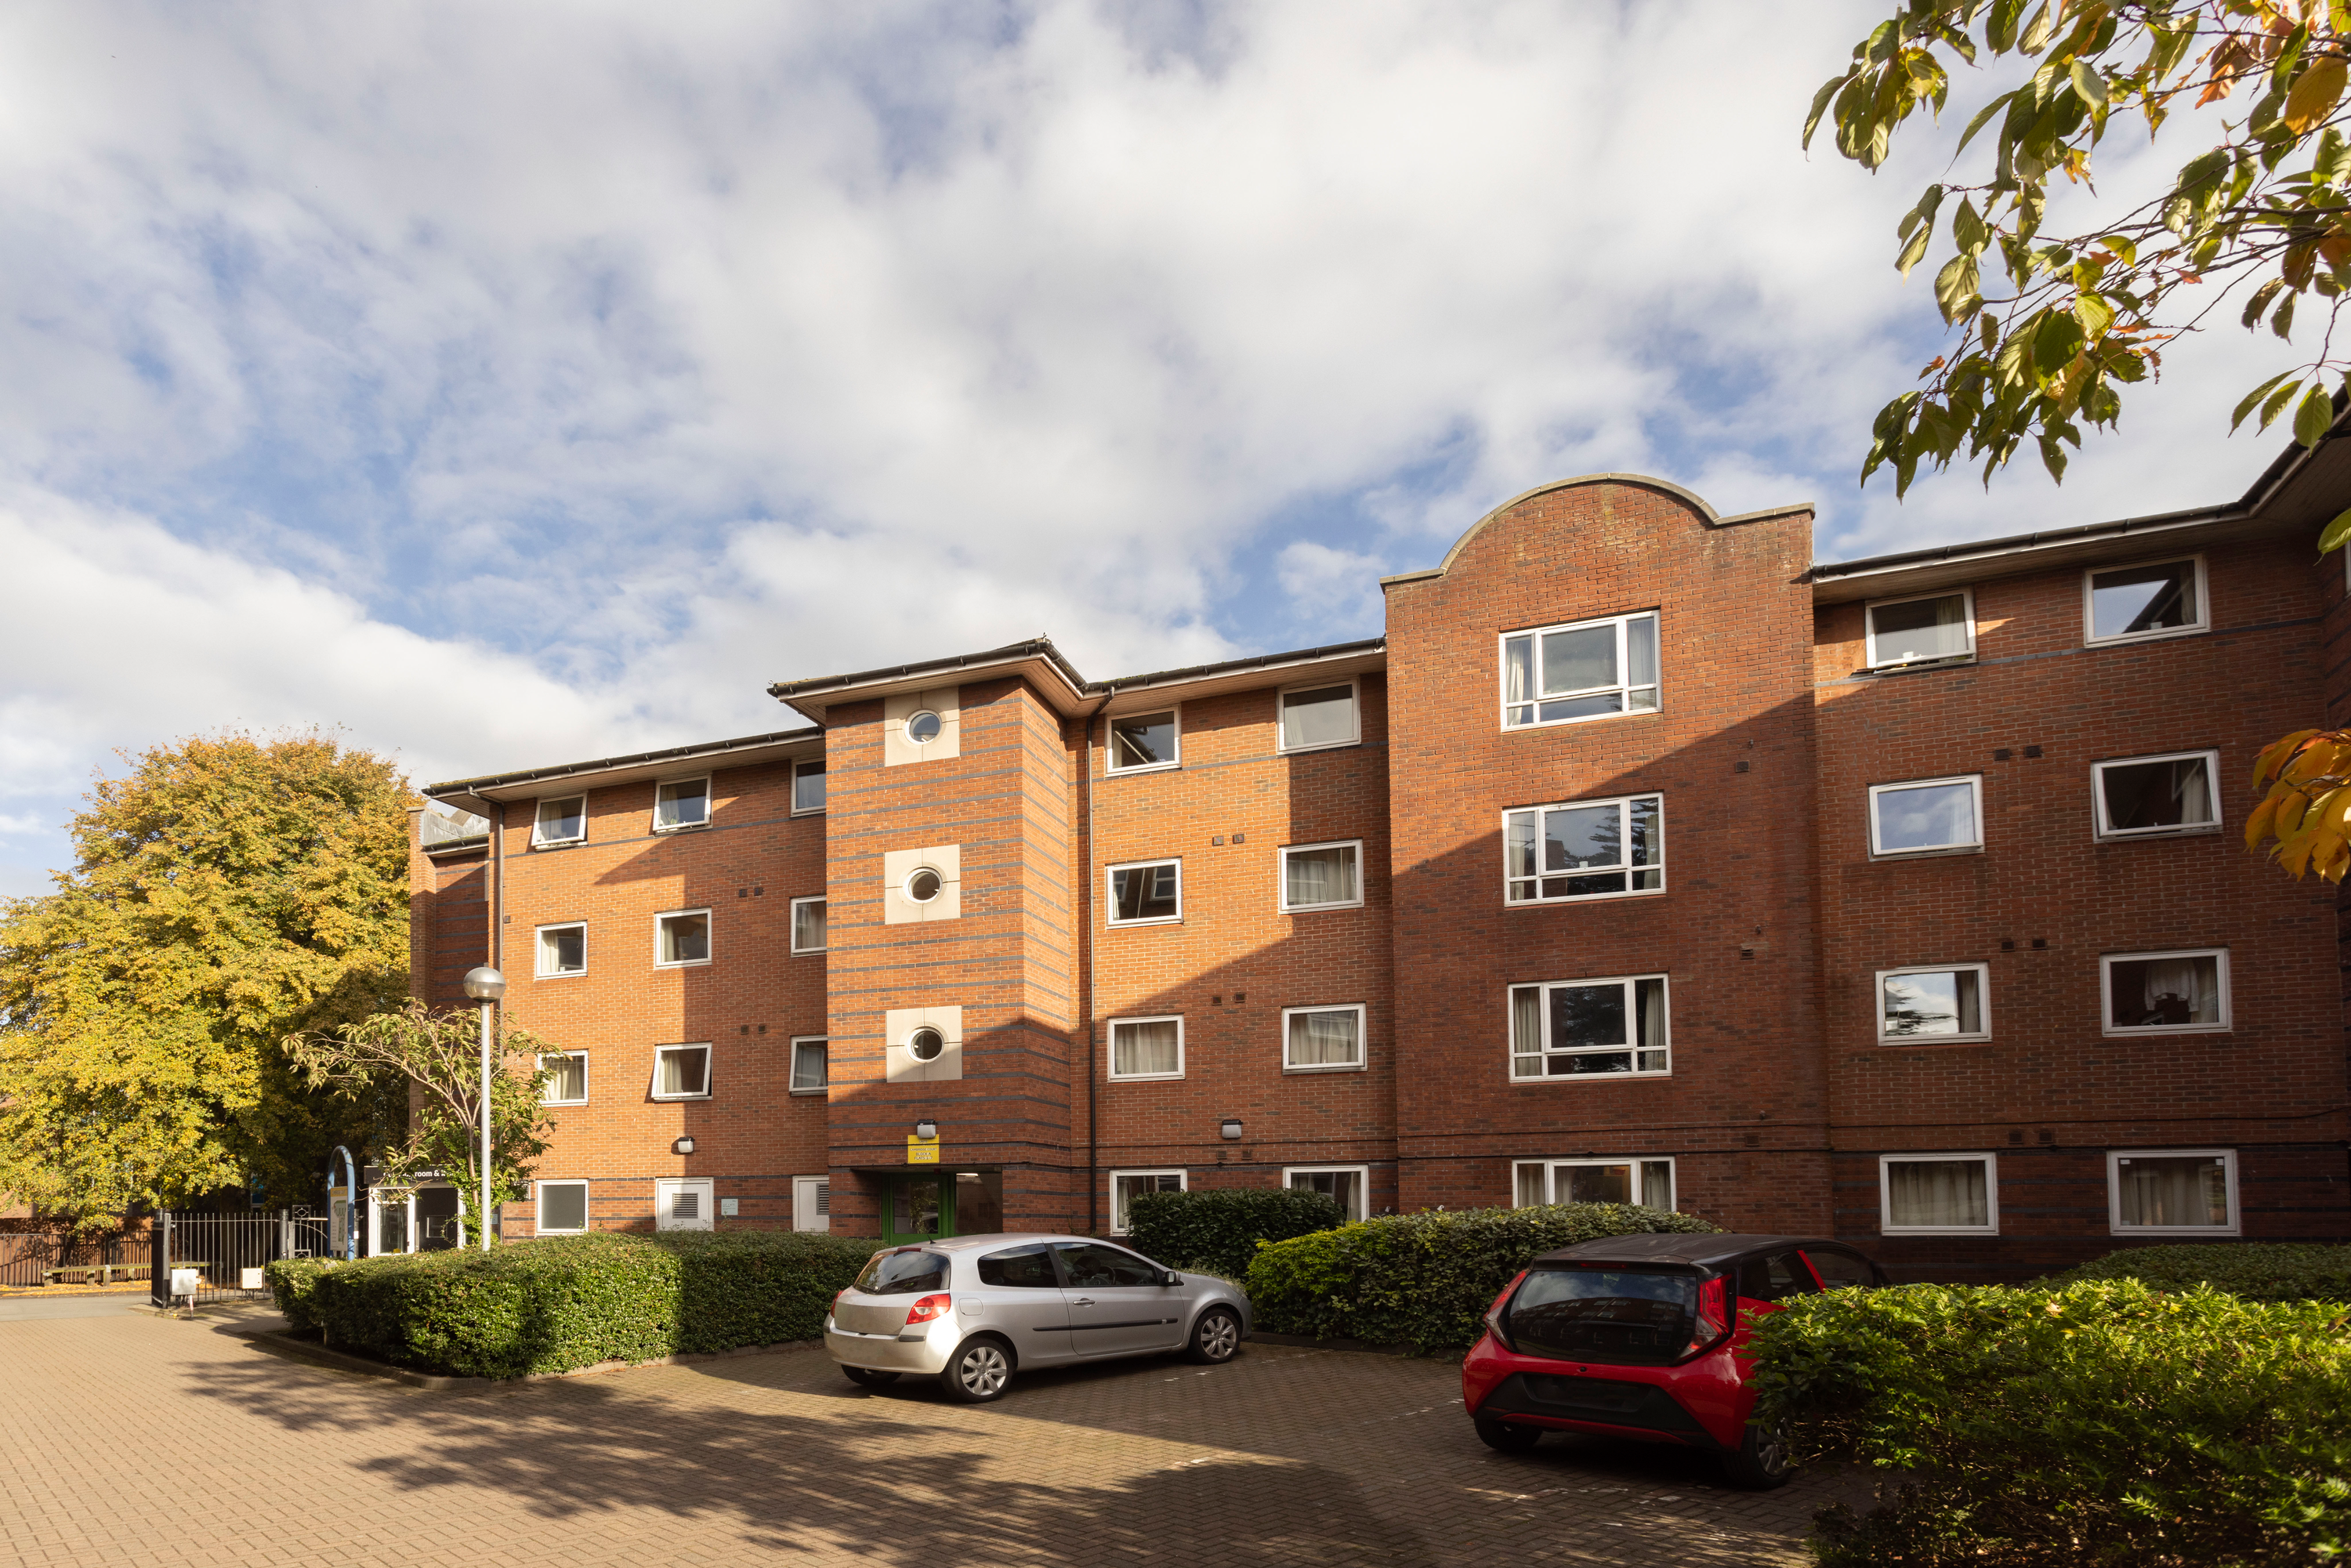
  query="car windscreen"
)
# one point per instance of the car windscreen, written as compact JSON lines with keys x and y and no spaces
{"x":1626,"y":1316}
{"x":904,"y":1273}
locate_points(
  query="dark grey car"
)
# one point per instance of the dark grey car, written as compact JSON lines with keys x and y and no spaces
{"x":970,"y":1311}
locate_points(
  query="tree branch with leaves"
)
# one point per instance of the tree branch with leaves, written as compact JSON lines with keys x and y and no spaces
{"x":2048,"y":329}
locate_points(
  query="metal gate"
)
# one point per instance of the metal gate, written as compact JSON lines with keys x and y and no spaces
{"x":200,"y":1258}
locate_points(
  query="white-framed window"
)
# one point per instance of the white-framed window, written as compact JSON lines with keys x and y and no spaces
{"x":1145,"y":893}
{"x":1926,"y":816}
{"x":1934,"y":1001}
{"x":808,"y":787}
{"x":1319,"y":715}
{"x":562,"y":950}
{"x":1348,"y":1185}
{"x":1584,"y":849}
{"x":681,"y":1072}
{"x":1147,"y":1048}
{"x":562,"y":1206}
{"x":682,"y":804}
{"x":1938,"y":1194}
{"x":1563,"y":1030}
{"x":567,"y":1079}
{"x":924,"y":726}
{"x":1926,"y":629}
{"x":1644,"y":1179}
{"x":2152,"y":796}
{"x":1322,"y":1040}
{"x":2184,"y":992}
{"x":808,"y":924}
{"x":1580,"y":670}
{"x":1146,"y":742}
{"x":560,"y":820}
{"x":1322,"y":876}
{"x":2171,"y":1192}
{"x":681,"y":937}
{"x":2140,"y":604}
{"x":809,"y":1067}
{"x":1124,"y":1184}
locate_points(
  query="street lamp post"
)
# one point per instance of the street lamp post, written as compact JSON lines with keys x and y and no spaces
{"x":485,"y":986}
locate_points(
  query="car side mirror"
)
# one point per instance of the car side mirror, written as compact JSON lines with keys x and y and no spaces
{"x":1170,"y":1277}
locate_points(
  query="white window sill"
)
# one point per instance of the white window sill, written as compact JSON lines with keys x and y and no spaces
{"x":1146,"y":768}
{"x":1145,"y":1077}
{"x":2174,"y":1229}
{"x":543,"y":1230}
{"x":1588,"y":1077}
{"x":1352,"y":1067}
{"x":1326,"y":746}
{"x":1129,"y":925}
{"x":1902,"y":1041}
{"x":808,"y":811}
{"x":1509,"y":728}
{"x":810,"y":1094}
{"x":2133,"y":835}
{"x":680,"y":828}
{"x":808,"y":952}
{"x":563,"y":1102}
{"x":563,"y":975}
{"x":1914,"y":666}
{"x":556,"y":843}
{"x":1939,"y":1230}
{"x":673,"y":1099}
{"x":2164,"y":636}
{"x":1320,"y":909}
{"x":1509,"y":902}
{"x":681,"y":963}
{"x":1943,"y":852}
{"x":2111,"y":1032}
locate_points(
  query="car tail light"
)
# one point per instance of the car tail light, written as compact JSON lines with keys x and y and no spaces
{"x":1713,"y":1315}
{"x":1494,"y":1313}
{"x":927,"y":1309}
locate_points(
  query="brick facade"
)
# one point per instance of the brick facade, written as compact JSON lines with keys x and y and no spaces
{"x":1763,"y":949}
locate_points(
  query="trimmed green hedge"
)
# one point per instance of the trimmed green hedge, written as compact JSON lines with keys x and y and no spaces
{"x":2106,"y":1423}
{"x":564,"y":1302}
{"x":1218,"y":1229}
{"x":2257,"y":1271}
{"x":1425,"y":1280}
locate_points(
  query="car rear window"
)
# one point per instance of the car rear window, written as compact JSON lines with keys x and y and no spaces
{"x":904,"y":1273}
{"x":1628,"y":1317}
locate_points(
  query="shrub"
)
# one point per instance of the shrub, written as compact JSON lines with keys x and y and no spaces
{"x":562,"y":1303}
{"x":291,"y":1280}
{"x":2256,"y":1270}
{"x":1425,"y":1280}
{"x":1219,"y":1231}
{"x":2106,"y":1423}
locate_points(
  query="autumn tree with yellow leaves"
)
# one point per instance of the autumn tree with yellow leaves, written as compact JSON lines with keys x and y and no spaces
{"x":2048,"y":330}
{"x":227,"y":891}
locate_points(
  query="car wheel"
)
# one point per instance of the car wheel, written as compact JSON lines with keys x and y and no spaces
{"x":978,"y":1373}
{"x":1215,"y":1338}
{"x":870,"y":1378}
{"x":1504,"y":1438}
{"x":1761,"y":1460}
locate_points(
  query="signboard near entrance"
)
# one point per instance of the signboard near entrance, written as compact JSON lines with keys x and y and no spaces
{"x":922,"y":1151}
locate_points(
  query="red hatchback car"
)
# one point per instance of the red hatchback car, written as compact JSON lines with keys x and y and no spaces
{"x":1645,"y":1337}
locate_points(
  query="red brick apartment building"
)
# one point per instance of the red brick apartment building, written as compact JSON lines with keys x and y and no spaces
{"x":1643,"y":859}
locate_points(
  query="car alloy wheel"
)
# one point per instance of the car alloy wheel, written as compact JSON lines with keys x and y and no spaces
{"x":1762,"y":1461}
{"x":1215,"y":1338}
{"x":978,"y":1373}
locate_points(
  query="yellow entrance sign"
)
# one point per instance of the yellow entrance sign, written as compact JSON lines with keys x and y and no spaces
{"x":922,"y":1151}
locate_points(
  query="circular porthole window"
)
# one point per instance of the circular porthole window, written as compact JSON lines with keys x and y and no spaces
{"x":924,"y":728}
{"x":926,"y":1044}
{"x":924,"y":886}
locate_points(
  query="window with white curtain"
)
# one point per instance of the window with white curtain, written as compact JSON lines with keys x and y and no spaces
{"x":2144,"y":796}
{"x":1624,"y":1180}
{"x":683,"y":803}
{"x":2166,"y":993}
{"x":808,"y":1067}
{"x":808,"y":787}
{"x":1584,"y":848}
{"x":1124,"y":1184}
{"x":1315,"y":717}
{"x":1579,"y":1028}
{"x":1924,"y":631}
{"x":1322,"y":1040}
{"x":1581,"y":670}
{"x":562,"y":950}
{"x":1322,"y":876}
{"x":1146,"y":1047}
{"x":1940,"y":1002}
{"x":682,"y":1073}
{"x":2133,"y":603}
{"x":563,"y":820}
{"x":567,"y":1078}
{"x":2172,"y":1191}
{"x":1953,"y":1195}
{"x":1347,"y":1186}
{"x":808,"y":924}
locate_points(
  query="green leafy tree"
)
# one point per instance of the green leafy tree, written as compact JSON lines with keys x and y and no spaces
{"x":2048,"y":329}
{"x":417,"y":1076}
{"x":227,"y":891}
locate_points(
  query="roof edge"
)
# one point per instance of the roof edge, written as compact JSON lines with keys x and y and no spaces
{"x":2023,"y":544}
{"x":1010,"y":653}
{"x":456,"y":788}
{"x":1713,"y":519}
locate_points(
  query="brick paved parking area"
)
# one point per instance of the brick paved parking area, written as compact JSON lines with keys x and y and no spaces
{"x":131,"y":1437}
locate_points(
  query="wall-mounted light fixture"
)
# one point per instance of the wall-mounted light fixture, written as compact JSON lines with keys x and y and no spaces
{"x":684,"y":1145}
{"x":1231,"y":1129}
{"x":926,"y":1128}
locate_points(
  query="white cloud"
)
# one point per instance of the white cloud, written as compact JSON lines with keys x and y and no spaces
{"x":609,"y":361}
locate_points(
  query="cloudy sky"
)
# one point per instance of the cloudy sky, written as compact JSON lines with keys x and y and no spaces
{"x":509,"y":383}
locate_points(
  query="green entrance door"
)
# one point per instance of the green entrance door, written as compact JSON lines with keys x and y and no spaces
{"x":941,"y":1203}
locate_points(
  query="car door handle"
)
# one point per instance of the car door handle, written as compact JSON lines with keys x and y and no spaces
{"x":1083,"y":1302}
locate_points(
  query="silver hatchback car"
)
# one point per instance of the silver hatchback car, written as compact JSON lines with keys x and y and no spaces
{"x":972,"y":1309}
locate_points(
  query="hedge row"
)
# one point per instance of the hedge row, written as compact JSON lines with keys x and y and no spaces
{"x":2105,"y":1423}
{"x":1425,"y":1280}
{"x":1219,"y":1230}
{"x":564,"y":1302}
{"x":2256,"y":1270}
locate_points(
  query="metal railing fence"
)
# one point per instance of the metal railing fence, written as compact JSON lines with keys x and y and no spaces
{"x":226,"y":1253}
